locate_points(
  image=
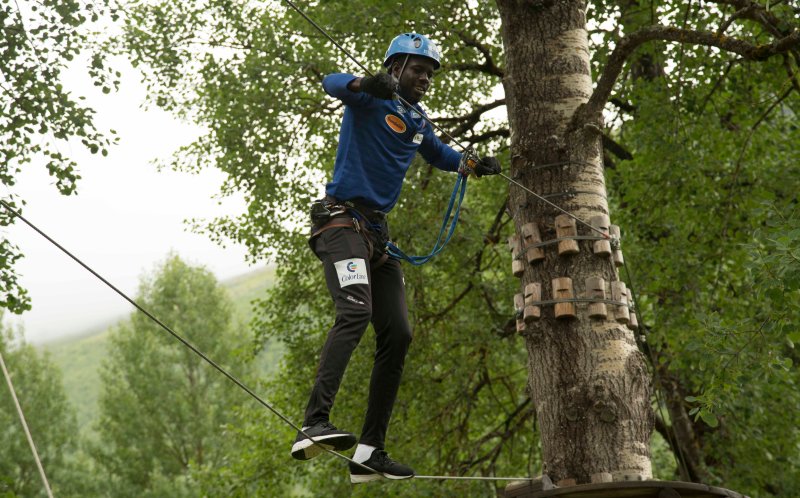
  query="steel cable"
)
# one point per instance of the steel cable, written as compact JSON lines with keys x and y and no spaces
{"x":202,"y":355}
{"x":25,"y":428}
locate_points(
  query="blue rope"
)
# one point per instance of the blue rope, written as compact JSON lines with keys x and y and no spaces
{"x":459,"y":190}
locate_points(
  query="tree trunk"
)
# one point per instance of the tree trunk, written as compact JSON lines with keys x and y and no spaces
{"x":587,"y":378}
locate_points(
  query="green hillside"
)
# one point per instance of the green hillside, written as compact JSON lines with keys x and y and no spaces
{"x":79,"y":357}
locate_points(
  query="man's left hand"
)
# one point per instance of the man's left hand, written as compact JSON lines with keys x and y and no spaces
{"x":471,"y":165}
{"x":489,"y":165}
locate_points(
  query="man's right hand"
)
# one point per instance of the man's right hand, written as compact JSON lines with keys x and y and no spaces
{"x":382,"y":85}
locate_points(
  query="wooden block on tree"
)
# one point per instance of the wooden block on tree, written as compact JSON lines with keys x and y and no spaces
{"x":596,"y":289}
{"x":565,"y":483}
{"x":533,"y":293}
{"x":602,"y":477}
{"x":566,"y":227}
{"x":515,"y":246}
{"x":562,"y":289}
{"x":630,"y":475}
{"x":531,"y":236}
{"x":619,"y":293}
{"x":519,"y":305}
{"x":601,"y":247}
{"x":527,"y":488}
{"x":613,"y":230}
{"x":633,"y":323}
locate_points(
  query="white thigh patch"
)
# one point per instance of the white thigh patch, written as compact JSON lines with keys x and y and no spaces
{"x":351,"y":271}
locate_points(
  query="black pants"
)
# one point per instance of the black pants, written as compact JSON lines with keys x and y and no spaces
{"x":361,"y":295}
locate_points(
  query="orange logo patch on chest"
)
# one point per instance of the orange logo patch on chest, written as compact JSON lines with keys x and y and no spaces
{"x":395,"y":123}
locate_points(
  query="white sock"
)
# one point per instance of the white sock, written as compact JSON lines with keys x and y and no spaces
{"x":363,"y":452}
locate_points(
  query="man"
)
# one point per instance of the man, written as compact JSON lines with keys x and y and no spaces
{"x":378,"y":139}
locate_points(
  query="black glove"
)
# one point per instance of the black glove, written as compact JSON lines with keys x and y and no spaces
{"x":382,"y":85}
{"x":489,"y":165}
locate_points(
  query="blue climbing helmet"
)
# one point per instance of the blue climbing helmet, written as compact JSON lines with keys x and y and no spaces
{"x":412,"y":44}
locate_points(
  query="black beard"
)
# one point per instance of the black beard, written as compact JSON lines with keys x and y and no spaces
{"x":409,"y":95}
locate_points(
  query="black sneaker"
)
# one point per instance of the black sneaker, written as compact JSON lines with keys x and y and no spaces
{"x":325,"y":434}
{"x":384,"y":466}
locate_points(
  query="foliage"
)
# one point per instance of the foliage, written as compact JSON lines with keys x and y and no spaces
{"x":708,"y":137}
{"x":161,"y":407}
{"x":79,"y":361}
{"x":51,"y":422}
{"x":79,"y":357}
{"x":39,"y":116}
{"x":709,"y":140}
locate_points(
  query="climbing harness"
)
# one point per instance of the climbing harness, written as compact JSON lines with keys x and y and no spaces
{"x":329,"y":213}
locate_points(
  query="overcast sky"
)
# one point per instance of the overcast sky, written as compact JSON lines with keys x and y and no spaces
{"x":126,"y":218}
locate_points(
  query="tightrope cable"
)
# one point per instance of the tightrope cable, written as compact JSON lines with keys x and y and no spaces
{"x":174,"y":334}
{"x":25,"y":427}
{"x":329,"y":37}
{"x":477,"y":478}
{"x":203,"y":356}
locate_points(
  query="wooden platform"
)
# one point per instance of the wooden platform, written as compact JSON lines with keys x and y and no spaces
{"x":622,"y":489}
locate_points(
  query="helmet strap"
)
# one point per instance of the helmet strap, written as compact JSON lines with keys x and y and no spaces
{"x":403,"y":67}
{"x":400,"y":76}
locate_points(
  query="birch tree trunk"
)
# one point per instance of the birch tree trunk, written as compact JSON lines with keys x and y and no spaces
{"x":587,"y":378}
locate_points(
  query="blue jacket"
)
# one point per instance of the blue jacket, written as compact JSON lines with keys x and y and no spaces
{"x":377,"y":141}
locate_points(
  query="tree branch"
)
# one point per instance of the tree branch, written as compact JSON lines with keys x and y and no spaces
{"x":468,"y":121}
{"x":452,"y":304}
{"x":623,"y":106}
{"x":630,"y":43}
{"x":476,"y":113}
{"x":754,"y":12}
{"x":488,"y":67}
{"x":490,"y":238}
{"x":615,"y":148}
{"x":718,"y":84}
{"x":476,"y":139}
{"x":745,"y":12}
{"x":791,"y":73}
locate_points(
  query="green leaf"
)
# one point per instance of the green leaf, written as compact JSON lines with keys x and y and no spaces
{"x":709,"y":418}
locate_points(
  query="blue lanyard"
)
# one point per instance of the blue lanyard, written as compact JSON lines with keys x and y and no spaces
{"x":459,"y":190}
